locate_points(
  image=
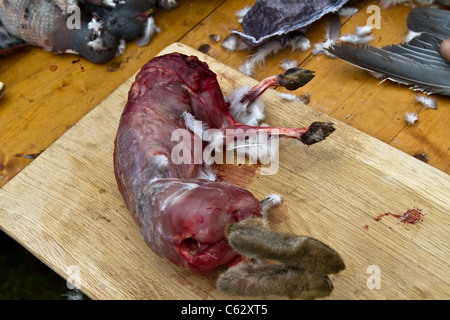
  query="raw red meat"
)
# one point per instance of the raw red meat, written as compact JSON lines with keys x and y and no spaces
{"x":183,"y":218}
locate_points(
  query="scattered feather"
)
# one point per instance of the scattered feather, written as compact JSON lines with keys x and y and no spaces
{"x":288,"y":64}
{"x":121,"y":48}
{"x":242,"y":112}
{"x":299,"y":42}
{"x":259,"y":57}
{"x":242,"y":12}
{"x":150,"y":29}
{"x":96,"y":45}
{"x":388,"y":3}
{"x":247,"y":67}
{"x":377,"y":75}
{"x":207,"y":172}
{"x":347,"y":11}
{"x":214,"y":37}
{"x":96,"y":26}
{"x":425,"y":2}
{"x":427,"y":102}
{"x":411,"y":35}
{"x":331,"y":35}
{"x":411,"y":118}
{"x":109,"y":3}
{"x":74,"y":294}
{"x":197,"y":127}
{"x":288,"y":96}
{"x":363,"y":31}
{"x":353,"y":38}
{"x":234,"y":43}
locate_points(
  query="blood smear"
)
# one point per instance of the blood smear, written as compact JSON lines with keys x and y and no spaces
{"x":411,"y":216}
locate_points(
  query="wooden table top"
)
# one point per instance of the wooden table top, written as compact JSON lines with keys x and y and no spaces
{"x":47,"y":94}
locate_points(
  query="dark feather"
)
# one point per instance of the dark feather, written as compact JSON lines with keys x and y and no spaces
{"x":417,"y":63}
{"x":430,"y":20}
{"x":396,"y":67}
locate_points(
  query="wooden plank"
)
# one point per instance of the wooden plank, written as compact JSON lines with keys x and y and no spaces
{"x":47,"y":93}
{"x":65,"y":208}
{"x":343,"y":91}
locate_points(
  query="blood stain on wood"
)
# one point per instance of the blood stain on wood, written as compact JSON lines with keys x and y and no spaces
{"x":114,"y":66}
{"x":411,"y":216}
{"x":204,"y":48}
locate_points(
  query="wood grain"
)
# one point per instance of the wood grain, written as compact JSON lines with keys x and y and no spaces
{"x":65,"y":208}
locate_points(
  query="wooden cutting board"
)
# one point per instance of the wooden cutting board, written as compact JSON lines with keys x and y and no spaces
{"x":65,"y":208}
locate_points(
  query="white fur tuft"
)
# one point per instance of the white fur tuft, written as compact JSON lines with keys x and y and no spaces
{"x":268,"y":202}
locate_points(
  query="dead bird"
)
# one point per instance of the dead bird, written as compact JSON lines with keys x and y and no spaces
{"x":44,"y":24}
{"x":269,"y":19}
{"x":90,"y":28}
{"x":127,"y":20}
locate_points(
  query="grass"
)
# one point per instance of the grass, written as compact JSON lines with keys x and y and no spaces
{"x":24,"y":277}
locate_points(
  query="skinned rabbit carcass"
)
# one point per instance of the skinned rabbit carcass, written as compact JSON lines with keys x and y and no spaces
{"x":184,"y":215}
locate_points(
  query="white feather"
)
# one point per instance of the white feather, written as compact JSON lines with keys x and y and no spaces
{"x":387,"y":3}
{"x":259,"y":57}
{"x":96,"y":26}
{"x":242,"y":12}
{"x":197,"y":127}
{"x":241,"y":111}
{"x":247,"y":67}
{"x":427,"y":102}
{"x":150,"y":29}
{"x":96,"y":45}
{"x":411,"y":35}
{"x":207,"y":172}
{"x":234,"y":43}
{"x":265,"y":50}
{"x":353,"y":38}
{"x":347,"y":11}
{"x":237,"y":108}
{"x":363,"y":31}
{"x":288,"y":96}
{"x":299,"y":43}
{"x":109,"y":3}
{"x":121,"y":47}
{"x":288,"y":64}
{"x":411,"y":118}
{"x":160,"y":160}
